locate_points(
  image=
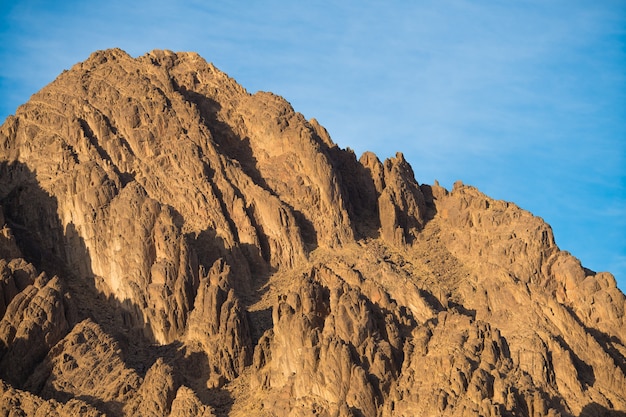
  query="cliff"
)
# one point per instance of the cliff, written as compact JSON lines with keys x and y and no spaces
{"x":174,"y":246}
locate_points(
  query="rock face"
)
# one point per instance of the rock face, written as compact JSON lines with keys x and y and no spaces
{"x":172,"y":245}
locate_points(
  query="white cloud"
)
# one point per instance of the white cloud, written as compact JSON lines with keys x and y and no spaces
{"x":524,"y":99}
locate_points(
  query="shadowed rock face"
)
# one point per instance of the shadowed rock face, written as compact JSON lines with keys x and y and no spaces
{"x":172,"y":245}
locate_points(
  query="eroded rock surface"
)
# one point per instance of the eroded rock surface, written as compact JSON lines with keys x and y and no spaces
{"x":171,"y":245}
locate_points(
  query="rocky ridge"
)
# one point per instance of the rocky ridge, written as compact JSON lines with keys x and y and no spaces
{"x":172,"y":245}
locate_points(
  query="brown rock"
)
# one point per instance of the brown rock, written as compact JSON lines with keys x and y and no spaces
{"x":156,"y":393}
{"x":401,"y":203}
{"x":14,"y":402}
{"x":87,"y":363}
{"x":186,"y":404}
{"x":15,"y":276}
{"x":219,"y":325}
{"x":224,"y":246}
{"x":34,"y":321}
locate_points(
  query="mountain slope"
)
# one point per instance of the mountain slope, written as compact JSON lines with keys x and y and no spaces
{"x":173,"y":245}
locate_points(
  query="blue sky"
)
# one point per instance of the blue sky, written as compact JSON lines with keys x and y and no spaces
{"x":525,"y":100}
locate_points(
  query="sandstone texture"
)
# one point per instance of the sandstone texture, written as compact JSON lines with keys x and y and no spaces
{"x":172,"y":245}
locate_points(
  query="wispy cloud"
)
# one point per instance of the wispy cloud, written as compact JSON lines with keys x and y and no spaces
{"x":525,"y":99}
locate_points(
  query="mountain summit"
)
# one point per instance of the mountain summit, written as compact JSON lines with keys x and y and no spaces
{"x":172,"y":245}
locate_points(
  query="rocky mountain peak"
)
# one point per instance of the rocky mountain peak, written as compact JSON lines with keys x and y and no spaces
{"x":172,"y":245}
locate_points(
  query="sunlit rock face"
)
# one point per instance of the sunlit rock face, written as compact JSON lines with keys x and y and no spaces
{"x":171,"y":245}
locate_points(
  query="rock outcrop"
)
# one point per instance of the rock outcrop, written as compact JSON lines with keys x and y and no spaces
{"x":171,"y":245}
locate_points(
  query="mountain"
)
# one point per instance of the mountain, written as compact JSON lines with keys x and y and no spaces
{"x":172,"y":245}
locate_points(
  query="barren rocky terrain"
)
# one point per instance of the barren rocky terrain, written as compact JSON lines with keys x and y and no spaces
{"x":172,"y":245}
